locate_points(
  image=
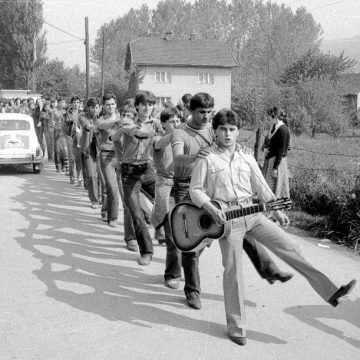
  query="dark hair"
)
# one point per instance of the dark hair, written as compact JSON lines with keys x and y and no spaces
{"x":143,"y":97}
{"x":109,"y":96}
{"x":130,"y":101}
{"x":186,"y":98}
{"x":201,"y":100}
{"x":30,"y":99}
{"x":128,"y":108}
{"x":74,"y":98}
{"x":168,"y":113}
{"x":93,"y":101}
{"x":273,"y":112}
{"x":225,"y":117}
{"x":52,"y":100}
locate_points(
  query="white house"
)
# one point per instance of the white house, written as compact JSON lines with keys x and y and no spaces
{"x":172,"y":67}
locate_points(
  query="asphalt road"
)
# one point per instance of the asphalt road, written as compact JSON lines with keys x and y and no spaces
{"x":69,"y":289}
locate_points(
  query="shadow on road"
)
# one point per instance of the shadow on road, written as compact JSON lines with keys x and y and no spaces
{"x":80,"y":262}
{"x":313,"y":315}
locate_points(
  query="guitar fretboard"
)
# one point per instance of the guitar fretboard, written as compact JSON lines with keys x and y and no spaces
{"x":243,"y":211}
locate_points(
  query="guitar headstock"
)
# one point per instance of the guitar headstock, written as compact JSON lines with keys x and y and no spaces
{"x":278,"y":204}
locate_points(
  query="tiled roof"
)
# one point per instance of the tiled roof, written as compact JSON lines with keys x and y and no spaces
{"x":350,"y":83}
{"x":178,"y":52}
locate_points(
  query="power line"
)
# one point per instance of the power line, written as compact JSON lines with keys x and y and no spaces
{"x":64,"y":31}
{"x":321,"y":153}
{"x":329,"y":4}
{"x":63,"y":42}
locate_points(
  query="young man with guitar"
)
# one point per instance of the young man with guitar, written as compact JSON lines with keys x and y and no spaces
{"x":188,"y":144}
{"x":231,"y":177}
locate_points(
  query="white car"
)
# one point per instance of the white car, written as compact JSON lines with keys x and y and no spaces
{"x":18,"y":141}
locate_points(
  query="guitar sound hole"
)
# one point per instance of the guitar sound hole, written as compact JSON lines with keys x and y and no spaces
{"x":205,"y":221}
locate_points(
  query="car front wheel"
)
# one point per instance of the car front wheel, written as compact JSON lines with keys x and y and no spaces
{"x":37,"y":168}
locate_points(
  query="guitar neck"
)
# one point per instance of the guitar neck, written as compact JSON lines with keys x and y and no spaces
{"x":243,"y":211}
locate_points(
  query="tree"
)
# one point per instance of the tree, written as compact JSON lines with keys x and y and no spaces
{"x":316,"y":64}
{"x":23,"y":42}
{"x":54,"y":79}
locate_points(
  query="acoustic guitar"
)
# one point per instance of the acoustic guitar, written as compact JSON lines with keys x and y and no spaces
{"x":193,"y":227}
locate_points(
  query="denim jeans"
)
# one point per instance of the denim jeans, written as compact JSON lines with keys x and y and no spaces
{"x":132,"y":183}
{"x":108,"y":169}
{"x":50,"y":146}
{"x":90,"y":176}
{"x":128,"y":223}
{"x":261,"y":260}
{"x":69,"y":145}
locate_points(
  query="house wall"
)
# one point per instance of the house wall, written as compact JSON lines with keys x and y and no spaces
{"x":185,"y":80}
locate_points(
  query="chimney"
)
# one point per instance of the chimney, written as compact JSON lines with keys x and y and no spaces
{"x":168,"y":35}
{"x":192,"y":36}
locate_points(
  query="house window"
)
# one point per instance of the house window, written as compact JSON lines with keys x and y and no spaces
{"x":205,"y":78}
{"x":162,"y":77}
{"x":160,"y":101}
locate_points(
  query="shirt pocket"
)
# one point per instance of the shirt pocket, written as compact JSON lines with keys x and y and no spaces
{"x":217,"y":176}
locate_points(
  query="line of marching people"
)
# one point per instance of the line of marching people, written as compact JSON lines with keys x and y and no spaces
{"x":189,"y":153}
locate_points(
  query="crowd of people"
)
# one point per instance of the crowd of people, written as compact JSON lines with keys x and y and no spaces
{"x":188,"y":153}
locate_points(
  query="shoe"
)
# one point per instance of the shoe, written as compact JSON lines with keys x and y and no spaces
{"x":194,"y":303}
{"x":132,"y":245}
{"x":283,"y":277}
{"x":161,"y":241}
{"x":67,"y":173}
{"x":58,"y":170}
{"x":79,"y":183}
{"x":342,"y":291}
{"x":240,"y":340}
{"x":94,"y":205}
{"x":113,"y":223}
{"x":62,"y":170}
{"x":145,"y":259}
{"x":104,"y":216}
{"x":72,"y":180}
{"x":172,"y":283}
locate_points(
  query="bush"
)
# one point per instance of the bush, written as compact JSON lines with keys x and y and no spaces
{"x":334,"y":201}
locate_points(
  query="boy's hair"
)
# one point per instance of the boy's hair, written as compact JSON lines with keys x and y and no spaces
{"x":129,"y":101}
{"x":93,"y":101}
{"x":168,"y":113}
{"x":109,"y":96}
{"x":52,"y":100}
{"x":143,"y":97}
{"x":186,"y":98}
{"x":273,"y":112}
{"x":128,"y":108}
{"x":74,"y":98}
{"x":201,"y":100}
{"x":61,"y":99}
{"x":225,"y":117}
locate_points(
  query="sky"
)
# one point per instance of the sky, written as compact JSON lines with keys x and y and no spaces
{"x":338,"y":18}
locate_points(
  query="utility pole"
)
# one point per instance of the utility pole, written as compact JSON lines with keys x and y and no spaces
{"x":102,"y":62}
{"x":87,"y":54}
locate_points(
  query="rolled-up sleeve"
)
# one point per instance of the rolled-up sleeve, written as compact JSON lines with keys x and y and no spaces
{"x":198,"y":182}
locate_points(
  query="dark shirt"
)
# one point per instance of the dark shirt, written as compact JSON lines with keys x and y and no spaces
{"x":279,"y":144}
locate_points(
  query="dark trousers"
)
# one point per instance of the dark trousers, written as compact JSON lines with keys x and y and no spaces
{"x":61,"y":153}
{"x":108,"y":169}
{"x":263,"y":263}
{"x":131,"y":176}
{"x":128,"y":223}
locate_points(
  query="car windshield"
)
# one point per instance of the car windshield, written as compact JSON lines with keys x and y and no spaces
{"x":14,"y":125}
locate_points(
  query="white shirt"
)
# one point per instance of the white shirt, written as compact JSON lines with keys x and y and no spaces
{"x":217,"y":177}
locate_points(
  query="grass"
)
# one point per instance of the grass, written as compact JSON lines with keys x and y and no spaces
{"x":324,"y":184}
